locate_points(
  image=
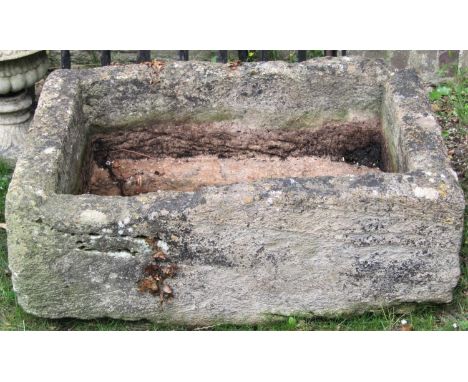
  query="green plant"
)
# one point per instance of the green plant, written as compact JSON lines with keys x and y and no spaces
{"x":439,"y":92}
{"x":251,"y":55}
{"x":213,"y":57}
{"x":5,"y":177}
{"x":315,"y":53}
{"x":451,"y":98}
{"x":292,"y":322}
{"x":273,"y":55}
{"x":292,"y":56}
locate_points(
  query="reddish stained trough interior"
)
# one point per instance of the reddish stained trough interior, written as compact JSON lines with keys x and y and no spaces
{"x":187,"y":156}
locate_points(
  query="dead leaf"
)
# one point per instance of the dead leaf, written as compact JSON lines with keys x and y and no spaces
{"x":152,"y":269}
{"x":435,"y":107}
{"x":159,"y":255}
{"x":150,"y":241}
{"x":167,"y":289}
{"x":406,"y":327}
{"x":156,"y":64}
{"x":234,"y":64}
{"x":148,"y":284}
{"x":169,"y":270}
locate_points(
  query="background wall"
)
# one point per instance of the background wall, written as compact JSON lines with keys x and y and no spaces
{"x":431,"y":64}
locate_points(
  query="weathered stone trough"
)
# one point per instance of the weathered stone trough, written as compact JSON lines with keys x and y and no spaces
{"x":202,"y":193}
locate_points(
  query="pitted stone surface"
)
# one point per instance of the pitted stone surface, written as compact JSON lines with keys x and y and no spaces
{"x":244,"y":251}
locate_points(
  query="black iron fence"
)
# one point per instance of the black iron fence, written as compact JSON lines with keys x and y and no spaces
{"x":222,"y":56}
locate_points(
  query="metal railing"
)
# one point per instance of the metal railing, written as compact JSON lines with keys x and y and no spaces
{"x":222,"y":56}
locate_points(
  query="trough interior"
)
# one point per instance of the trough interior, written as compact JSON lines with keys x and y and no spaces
{"x":187,"y":155}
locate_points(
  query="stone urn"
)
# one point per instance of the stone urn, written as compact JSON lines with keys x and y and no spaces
{"x":19,"y":71}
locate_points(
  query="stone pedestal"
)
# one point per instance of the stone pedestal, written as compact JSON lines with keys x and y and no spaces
{"x":19,"y":71}
{"x":15,"y":116}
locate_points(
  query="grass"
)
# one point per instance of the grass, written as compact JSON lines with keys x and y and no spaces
{"x":449,"y":102}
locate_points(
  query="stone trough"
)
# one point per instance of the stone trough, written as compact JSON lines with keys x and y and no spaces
{"x":202,"y":193}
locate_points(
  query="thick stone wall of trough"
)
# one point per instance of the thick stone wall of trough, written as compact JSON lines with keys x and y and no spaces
{"x":245,"y":251}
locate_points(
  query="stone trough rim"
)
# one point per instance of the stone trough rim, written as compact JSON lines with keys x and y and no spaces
{"x":432,"y":166}
{"x":418,"y":177}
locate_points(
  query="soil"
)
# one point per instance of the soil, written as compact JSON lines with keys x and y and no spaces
{"x":132,"y":177}
{"x":187,"y":156}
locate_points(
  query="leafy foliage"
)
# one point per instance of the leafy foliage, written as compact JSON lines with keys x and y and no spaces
{"x":5,"y":177}
{"x":451,"y":98}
